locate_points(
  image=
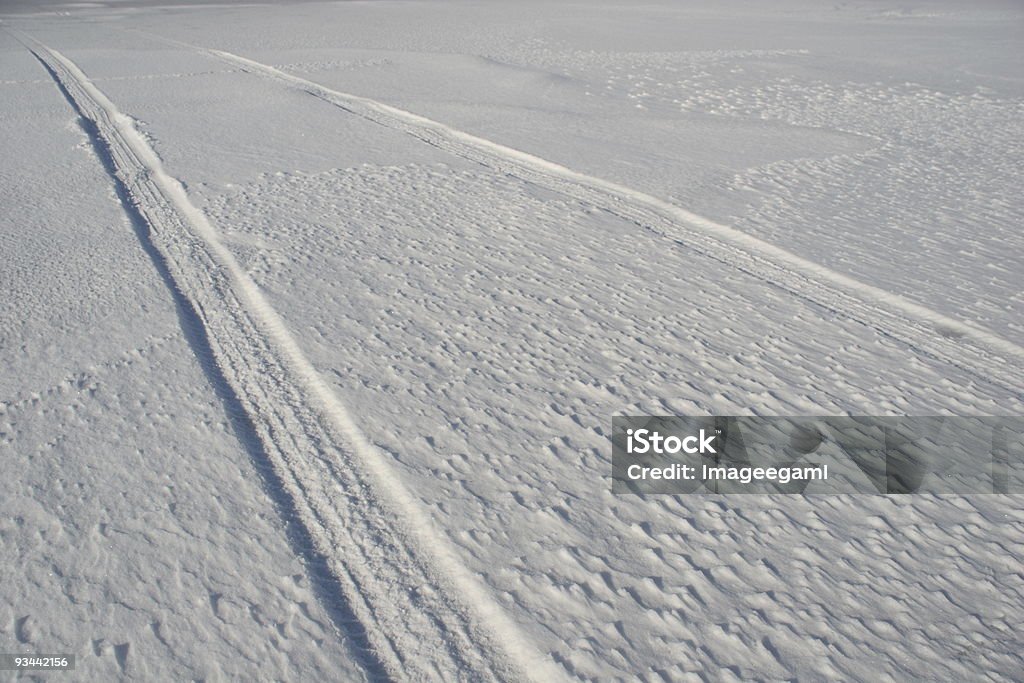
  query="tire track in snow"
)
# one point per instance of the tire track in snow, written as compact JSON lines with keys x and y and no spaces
{"x":424,"y":616}
{"x":980,"y":352}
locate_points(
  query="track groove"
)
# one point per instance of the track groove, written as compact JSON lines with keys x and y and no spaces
{"x":425,"y":617}
{"x":985,"y":355}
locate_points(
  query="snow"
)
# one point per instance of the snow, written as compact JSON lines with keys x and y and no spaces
{"x":316,"y":315}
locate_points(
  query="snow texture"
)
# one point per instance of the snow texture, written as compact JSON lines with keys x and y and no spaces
{"x":315,"y":316}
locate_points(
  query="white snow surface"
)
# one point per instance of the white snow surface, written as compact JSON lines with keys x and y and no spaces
{"x":315,"y":316}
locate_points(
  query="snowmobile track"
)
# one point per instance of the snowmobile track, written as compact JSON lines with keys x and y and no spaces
{"x":420,"y":613}
{"x":990,"y":358}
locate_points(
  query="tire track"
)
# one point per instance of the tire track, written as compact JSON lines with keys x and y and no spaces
{"x":969,"y":347}
{"x":420,"y":614}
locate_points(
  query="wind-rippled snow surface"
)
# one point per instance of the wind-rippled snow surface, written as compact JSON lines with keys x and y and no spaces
{"x":480,"y":315}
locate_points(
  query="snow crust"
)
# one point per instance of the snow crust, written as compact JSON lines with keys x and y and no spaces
{"x":466,"y":235}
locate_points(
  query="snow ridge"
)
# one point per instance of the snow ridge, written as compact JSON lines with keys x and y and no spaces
{"x":425,"y":617}
{"x":981,"y":352}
